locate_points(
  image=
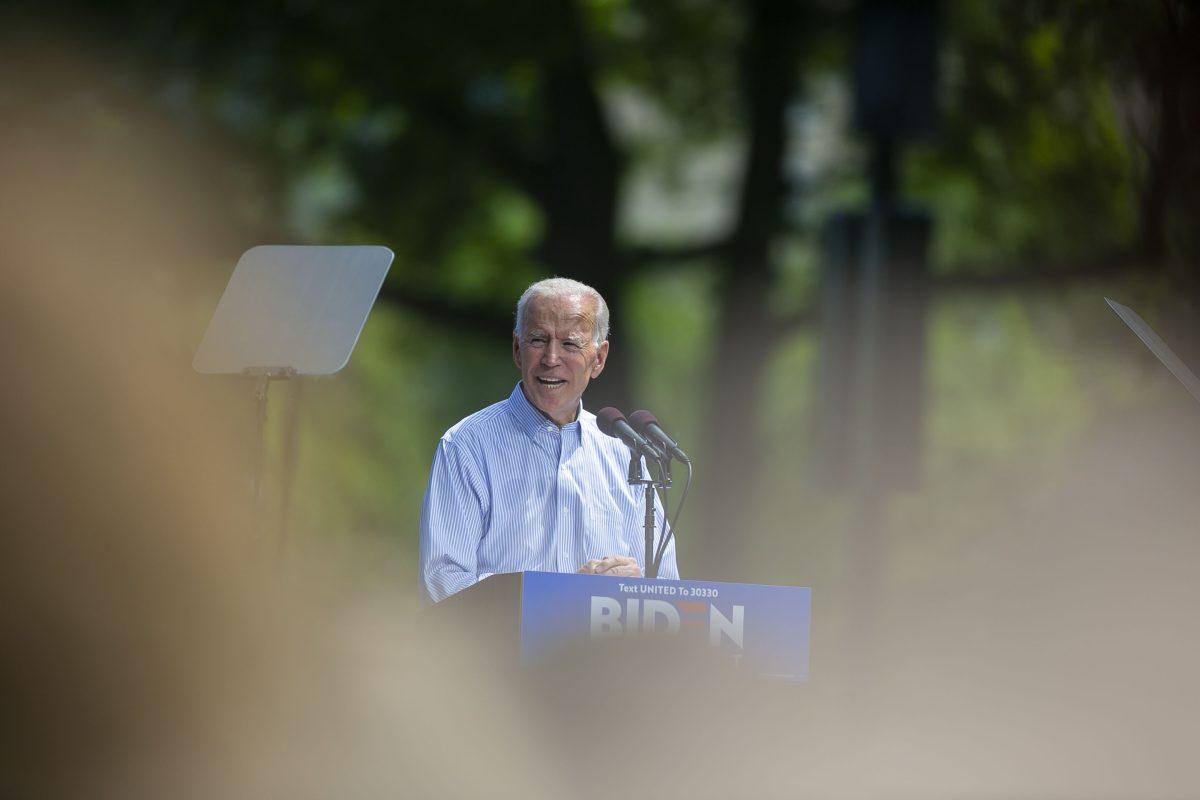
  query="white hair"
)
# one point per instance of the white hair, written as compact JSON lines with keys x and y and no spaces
{"x":564,"y":287}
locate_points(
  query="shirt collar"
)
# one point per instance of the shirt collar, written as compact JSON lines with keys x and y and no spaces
{"x":530,"y":419}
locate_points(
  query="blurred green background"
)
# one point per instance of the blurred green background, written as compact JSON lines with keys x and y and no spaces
{"x":685,"y":157}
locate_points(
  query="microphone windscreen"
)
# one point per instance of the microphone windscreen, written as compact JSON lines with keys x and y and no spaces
{"x":640,"y":419}
{"x":606,"y":418}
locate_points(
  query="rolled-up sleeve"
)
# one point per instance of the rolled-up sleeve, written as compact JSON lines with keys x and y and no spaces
{"x":453,"y":519}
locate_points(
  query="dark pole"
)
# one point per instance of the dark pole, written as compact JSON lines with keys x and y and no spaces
{"x":651,"y":567}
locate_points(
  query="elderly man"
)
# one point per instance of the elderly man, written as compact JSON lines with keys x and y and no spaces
{"x":530,"y":483}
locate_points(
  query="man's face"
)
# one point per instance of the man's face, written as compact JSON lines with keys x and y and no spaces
{"x":556,"y":355}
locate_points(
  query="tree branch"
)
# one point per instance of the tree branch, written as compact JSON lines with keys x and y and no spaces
{"x":478,"y":318}
{"x":491,"y":144}
{"x":642,"y":256}
{"x":1045,"y":274}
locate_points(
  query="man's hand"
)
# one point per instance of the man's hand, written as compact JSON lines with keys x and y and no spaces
{"x":618,"y":566}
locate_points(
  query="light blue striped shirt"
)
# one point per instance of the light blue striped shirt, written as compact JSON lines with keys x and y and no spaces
{"x":510,"y":491}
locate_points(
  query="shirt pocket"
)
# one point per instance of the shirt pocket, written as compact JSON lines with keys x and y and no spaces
{"x":613,"y":531}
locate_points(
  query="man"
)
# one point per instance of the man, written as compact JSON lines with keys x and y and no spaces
{"x":530,"y":483}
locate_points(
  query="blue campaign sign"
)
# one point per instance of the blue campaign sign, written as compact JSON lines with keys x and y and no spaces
{"x":765,"y":629}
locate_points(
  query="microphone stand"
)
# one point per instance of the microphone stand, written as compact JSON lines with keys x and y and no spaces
{"x":649,"y":485}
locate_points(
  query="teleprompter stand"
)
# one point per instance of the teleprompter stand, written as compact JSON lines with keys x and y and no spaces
{"x":1156,"y":345}
{"x":290,"y":311}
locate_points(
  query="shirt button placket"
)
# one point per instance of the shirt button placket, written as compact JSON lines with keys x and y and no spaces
{"x":564,"y":529}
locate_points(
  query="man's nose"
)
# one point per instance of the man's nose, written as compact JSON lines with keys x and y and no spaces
{"x":552,"y":353}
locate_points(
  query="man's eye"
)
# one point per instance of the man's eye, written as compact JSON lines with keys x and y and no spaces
{"x":538,"y":340}
{"x":571,"y":345}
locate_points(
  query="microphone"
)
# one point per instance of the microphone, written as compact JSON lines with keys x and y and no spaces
{"x":613,"y":423}
{"x":644,"y":423}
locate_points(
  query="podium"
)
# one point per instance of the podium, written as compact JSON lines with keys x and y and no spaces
{"x":528,"y":616}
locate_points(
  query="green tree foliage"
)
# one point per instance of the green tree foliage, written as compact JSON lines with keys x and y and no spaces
{"x":493,"y":143}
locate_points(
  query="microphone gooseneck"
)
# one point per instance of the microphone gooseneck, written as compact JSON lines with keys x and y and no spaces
{"x":613,"y":423}
{"x":647,"y":425}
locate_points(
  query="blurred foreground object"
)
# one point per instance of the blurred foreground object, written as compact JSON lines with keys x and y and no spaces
{"x":143,"y":655}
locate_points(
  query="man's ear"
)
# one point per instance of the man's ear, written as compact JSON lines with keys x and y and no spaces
{"x":601,"y":358}
{"x":517,"y":351}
